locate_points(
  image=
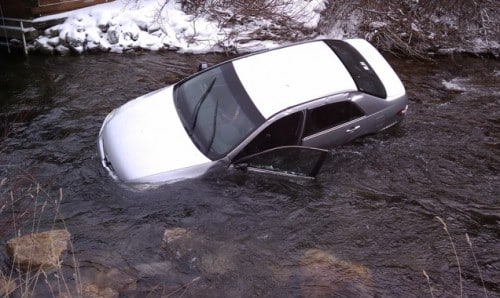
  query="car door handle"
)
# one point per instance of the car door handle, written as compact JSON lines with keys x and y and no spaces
{"x":353,"y":129}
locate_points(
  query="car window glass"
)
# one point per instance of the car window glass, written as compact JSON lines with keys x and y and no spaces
{"x":216,"y":110}
{"x":290,"y":160}
{"x":363,"y":75}
{"x":285,"y":131}
{"x":330,"y":115}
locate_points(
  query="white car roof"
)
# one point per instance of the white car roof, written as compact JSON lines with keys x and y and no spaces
{"x":285,"y":77}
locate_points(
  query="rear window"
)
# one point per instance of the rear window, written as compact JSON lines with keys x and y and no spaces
{"x":363,"y":75}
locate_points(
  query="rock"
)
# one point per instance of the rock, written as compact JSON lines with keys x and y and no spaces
{"x":116,"y":279}
{"x":43,"y":46}
{"x":104,"y":48}
{"x":41,"y":251}
{"x":142,"y":24}
{"x":194,"y":252}
{"x":93,"y":291}
{"x":114,"y":34}
{"x":181,"y":247}
{"x":92,"y":47}
{"x":77,"y":49}
{"x":171,"y":235}
{"x":63,"y":50}
{"x":103,"y":27}
{"x":155,"y":27}
{"x":7,"y":286}
{"x":108,"y":283}
{"x":220,"y":260}
{"x":54,"y":41}
{"x":130,"y":31}
{"x":75,"y":39}
{"x":117,"y":50}
{"x":52,"y":31}
{"x":323,"y":275}
{"x":155,"y":268}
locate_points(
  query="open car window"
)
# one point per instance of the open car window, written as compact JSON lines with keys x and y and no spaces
{"x":287,"y":160}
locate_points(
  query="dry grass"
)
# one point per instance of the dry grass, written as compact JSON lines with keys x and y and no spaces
{"x":417,"y":28}
{"x":24,"y":205}
{"x":457,"y":259}
{"x":279,"y":16}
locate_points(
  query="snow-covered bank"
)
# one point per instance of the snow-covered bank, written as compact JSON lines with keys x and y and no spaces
{"x":412,"y":27}
{"x":124,"y":25}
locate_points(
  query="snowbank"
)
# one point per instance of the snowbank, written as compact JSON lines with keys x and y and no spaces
{"x":412,"y":28}
{"x":124,"y":25}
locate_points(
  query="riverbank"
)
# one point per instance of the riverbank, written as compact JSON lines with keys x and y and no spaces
{"x":414,"y":28}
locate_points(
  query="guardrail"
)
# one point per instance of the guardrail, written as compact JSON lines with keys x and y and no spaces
{"x":14,"y":31}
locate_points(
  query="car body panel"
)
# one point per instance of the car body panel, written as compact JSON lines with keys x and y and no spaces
{"x":139,"y":138}
{"x":291,"y":77}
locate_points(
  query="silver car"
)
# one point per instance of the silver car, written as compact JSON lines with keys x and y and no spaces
{"x":276,"y":110}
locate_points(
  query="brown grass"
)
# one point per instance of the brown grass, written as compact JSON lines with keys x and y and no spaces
{"x":23,"y":207}
{"x":417,"y":28}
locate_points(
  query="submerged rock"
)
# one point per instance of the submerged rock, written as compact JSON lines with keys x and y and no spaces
{"x":188,"y":252}
{"x":324,"y":275}
{"x":171,"y":235}
{"x":179,"y":243}
{"x":40,"y":251}
{"x":93,"y":291}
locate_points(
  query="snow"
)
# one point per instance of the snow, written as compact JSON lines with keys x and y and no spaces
{"x":123,"y":25}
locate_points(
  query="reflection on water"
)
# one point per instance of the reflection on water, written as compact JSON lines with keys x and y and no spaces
{"x":366,"y":227}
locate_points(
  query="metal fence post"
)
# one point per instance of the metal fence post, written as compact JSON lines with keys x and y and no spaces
{"x":24,"y":38}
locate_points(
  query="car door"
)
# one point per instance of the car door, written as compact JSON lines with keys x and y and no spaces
{"x":283,"y":132}
{"x":332,"y":124}
{"x":295,"y":161}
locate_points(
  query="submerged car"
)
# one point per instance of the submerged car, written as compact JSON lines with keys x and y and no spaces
{"x":278,"y":110}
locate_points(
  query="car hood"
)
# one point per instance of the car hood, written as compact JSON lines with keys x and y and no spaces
{"x":145,"y":137}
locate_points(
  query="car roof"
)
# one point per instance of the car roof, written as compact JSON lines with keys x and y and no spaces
{"x":291,"y":75}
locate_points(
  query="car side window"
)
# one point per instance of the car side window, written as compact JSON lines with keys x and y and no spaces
{"x":289,"y":161}
{"x":330,"y":115}
{"x":283,"y":132}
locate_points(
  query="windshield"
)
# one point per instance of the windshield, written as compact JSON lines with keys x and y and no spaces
{"x":216,"y":110}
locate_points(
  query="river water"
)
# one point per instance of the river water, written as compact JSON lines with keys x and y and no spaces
{"x":371,"y":224}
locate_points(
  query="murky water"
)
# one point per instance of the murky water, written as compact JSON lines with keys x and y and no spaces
{"x":367,"y":226}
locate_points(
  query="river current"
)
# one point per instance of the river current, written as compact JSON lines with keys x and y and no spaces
{"x":412,"y":212}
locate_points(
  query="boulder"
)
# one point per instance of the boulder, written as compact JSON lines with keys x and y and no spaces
{"x":40,"y":251}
